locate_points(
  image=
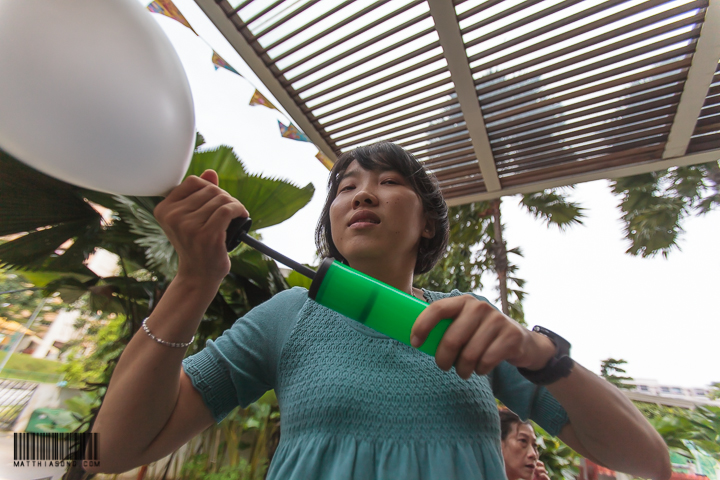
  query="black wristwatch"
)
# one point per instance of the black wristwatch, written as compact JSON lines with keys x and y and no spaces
{"x":557,"y":367}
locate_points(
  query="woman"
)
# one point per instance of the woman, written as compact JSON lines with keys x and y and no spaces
{"x":354,"y":404}
{"x":519,"y":448}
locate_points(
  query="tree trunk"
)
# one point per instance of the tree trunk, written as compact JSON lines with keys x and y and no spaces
{"x":501,"y":262}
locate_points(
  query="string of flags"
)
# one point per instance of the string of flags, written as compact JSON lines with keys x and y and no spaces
{"x":259,"y":99}
{"x":290,"y":131}
{"x":167,"y":8}
{"x":219,"y":62}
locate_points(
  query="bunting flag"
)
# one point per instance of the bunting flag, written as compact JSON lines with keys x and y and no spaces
{"x":167,"y":8}
{"x":220,"y":62}
{"x":325,"y":160}
{"x":259,"y":99}
{"x":291,"y":132}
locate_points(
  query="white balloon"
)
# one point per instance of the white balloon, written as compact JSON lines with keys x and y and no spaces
{"x":92,"y":92}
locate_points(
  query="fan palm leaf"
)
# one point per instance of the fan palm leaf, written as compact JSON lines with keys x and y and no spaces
{"x":56,"y":213}
{"x":269,"y":200}
{"x":553,"y":208}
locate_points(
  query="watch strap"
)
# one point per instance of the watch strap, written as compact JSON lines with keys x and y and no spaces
{"x":559,"y":366}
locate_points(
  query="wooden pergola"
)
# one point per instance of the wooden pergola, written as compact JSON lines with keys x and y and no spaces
{"x":496,"y":97}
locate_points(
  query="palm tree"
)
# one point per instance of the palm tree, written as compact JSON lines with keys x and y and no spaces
{"x":476,"y":245}
{"x":655,"y":204}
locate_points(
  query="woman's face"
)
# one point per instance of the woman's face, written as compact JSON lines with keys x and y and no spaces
{"x":376,"y":214}
{"x":520,"y":452}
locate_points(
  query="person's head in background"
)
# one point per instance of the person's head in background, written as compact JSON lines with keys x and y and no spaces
{"x":518,"y":446}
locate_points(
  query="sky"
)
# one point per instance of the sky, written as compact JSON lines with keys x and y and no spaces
{"x":660,"y":315}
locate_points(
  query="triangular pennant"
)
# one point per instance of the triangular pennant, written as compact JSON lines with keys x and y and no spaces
{"x":220,"y":62}
{"x":259,"y":99}
{"x":325,"y":160}
{"x":167,"y":8}
{"x":291,"y":132}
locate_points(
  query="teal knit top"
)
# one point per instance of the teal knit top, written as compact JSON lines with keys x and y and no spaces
{"x":358,"y":405}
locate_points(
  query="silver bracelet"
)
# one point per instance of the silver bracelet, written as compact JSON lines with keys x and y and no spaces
{"x":163,"y":342}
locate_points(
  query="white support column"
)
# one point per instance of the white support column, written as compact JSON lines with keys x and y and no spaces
{"x":702,"y":69}
{"x":216,"y":14}
{"x":446,"y":24}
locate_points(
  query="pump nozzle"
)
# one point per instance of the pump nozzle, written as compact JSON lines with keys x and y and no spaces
{"x":237,"y":232}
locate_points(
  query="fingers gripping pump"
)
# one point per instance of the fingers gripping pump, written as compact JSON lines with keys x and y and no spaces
{"x":349,"y":292}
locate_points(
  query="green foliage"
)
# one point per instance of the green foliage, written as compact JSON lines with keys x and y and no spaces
{"x":561,"y":461}
{"x":74,"y":418}
{"x":677,"y":426}
{"x":295,"y":279}
{"x":238,"y":448}
{"x":269,"y":201}
{"x":56,"y":214}
{"x":608,"y":370}
{"x":19,"y":362}
{"x":655,"y":204}
{"x":26,"y":297}
{"x":553,"y":208}
{"x":714,"y":393}
{"x":108,"y":336}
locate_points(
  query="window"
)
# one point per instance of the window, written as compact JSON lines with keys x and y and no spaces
{"x":677,"y":391}
{"x":665,"y":389}
{"x":644,"y":388}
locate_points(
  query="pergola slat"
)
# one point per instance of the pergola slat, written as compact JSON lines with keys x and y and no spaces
{"x":611,"y":141}
{"x":582,"y":30}
{"x":325,"y":32}
{"x":337,"y":8}
{"x":487,"y":97}
{"x":349,"y":106}
{"x":382,"y":133}
{"x":393,"y":120}
{"x":381,"y":68}
{"x":393,"y":88}
{"x":573,"y":138}
{"x":534,"y":102}
{"x":586,"y":56}
{"x":421,"y":101}
{"x":675,"y":78}
{"x":620,"y":114}
{"x":363,"y":45}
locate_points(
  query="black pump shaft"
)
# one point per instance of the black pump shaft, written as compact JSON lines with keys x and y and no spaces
{"x":237,"y":232}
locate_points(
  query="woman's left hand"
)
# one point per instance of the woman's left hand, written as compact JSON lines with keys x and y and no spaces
{"x":480,"y":337}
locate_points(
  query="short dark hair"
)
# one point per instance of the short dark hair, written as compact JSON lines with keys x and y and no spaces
{"x":508,"y":418}
{"x":386,"y":155}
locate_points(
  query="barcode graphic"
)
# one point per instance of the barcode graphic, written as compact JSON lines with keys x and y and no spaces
{"x":56,"y":446}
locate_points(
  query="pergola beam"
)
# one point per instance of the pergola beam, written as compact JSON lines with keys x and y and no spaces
{"x":225,"y":25}
{"x":694,"y":159}
{"x":699,"y":77}
{"x":446,"y":24}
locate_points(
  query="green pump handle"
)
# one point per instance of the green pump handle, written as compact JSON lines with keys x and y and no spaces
{"x":373,"y":303}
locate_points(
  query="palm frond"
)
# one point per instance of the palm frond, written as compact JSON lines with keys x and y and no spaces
{"x":37,"y":250}
{"x":269,"y":200}
{"x":30,"y":200}
{"x":137,"y":212}
{"x":553,"y":208}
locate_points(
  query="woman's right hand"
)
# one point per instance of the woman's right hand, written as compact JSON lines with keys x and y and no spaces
{"x":194,"y":216}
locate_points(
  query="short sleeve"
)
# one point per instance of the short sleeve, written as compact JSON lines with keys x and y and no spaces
{"x":527,"y":399}
{"x":241,"y":365}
